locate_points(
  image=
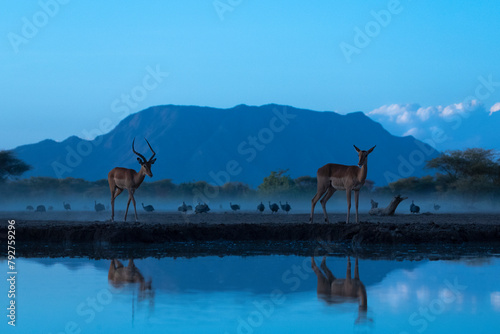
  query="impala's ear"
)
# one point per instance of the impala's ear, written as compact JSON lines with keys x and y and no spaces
{"x":357,"y":149}
{"x":371,"y":150}
{"x":153,"y":161}
{"x":140,"y":161}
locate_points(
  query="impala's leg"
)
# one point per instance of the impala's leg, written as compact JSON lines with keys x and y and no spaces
{"x":114,"y":194}
{"x":315,"y":268}
{"x":348,"y":272}
{"x":133,"y":201}
{"x":323,"y":283}
{"x":348,"y":194}
{"x":356,"y":200}
{"x":327,"y":271}
{"x":118,"y":192}
{"x":356,"y":270}
{"x":112,"y":204}
{"x":325,"y":199}
{"x":117,"y":264}
{"x":112,"y":270}
{"x":321,"y":190}
{"x":112,"y":187}
{"x":112,"y":267}
{"x":128,"y":203}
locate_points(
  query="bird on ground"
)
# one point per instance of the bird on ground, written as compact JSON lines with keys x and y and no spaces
{"x":414,"y":208}
{"x":148,"y":208}
{"x":261,"y":207}
{"x":98,"y":206}
{"x":66,"y":206}
{"x":184,"y":208}
{"x":274,"y":207}
{"x":40,"y":208}
{"x":201,"y":208}
{"x":437,"y":207}
{"x":234,"y":207}
{"x":285,"y":207}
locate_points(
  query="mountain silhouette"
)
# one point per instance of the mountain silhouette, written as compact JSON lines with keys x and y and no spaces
{"x":240,"y":144}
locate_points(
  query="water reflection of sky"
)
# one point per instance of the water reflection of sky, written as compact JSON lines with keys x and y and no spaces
{"x":255,"y":294}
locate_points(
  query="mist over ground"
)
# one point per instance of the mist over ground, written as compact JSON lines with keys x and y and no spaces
{"x":337,"y":204}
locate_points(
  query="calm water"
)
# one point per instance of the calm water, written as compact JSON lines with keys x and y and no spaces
{"x":255,"y":294}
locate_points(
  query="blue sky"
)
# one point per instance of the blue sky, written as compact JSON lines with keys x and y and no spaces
{"x":67,"y":65}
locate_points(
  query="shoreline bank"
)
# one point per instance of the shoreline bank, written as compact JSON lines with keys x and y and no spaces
{"x":63,"y":236}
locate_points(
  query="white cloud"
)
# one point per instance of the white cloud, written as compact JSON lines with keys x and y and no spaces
{"x":450,"y":110}
{"x":425,"y":113}
{"x":440,"y":126}
{"x":495,"y":108}
{"x":390,"y":111}
{"x":404,"y":118}
{"x":495,"y":299}
{"x":400,"y":113}
{"x":412,"y":132}
{"x":411,"y":113}
{"x":461,"y":108}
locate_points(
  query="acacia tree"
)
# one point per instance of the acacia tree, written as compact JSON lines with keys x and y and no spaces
{"x":414,"y":184}
{"x":277,"y":182}
{"x":306,"y":184}
{"x":470,"y":162}
{"x":473,"y":170}
{"x":11,"y":166}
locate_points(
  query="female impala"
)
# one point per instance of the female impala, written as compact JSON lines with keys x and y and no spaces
{"x":333,"y":177}
{"x":123,"y":178}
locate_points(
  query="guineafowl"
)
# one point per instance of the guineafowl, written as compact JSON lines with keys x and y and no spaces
{"x":148,"y":208}
{"x":98,"y":206}
{"x":285,"y":207}
{"x":414,"y":208}
{"x":261,"y":207}
{"x":274,"y":207}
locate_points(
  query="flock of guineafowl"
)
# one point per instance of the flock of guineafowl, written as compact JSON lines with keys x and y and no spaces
{"x":204,"y":208}
{"x":98,"y":207}
{"x":184,"y":208}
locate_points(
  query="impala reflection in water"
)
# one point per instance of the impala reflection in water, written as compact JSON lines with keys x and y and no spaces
{"x":335,"y":290}
{"x":120,"y":276}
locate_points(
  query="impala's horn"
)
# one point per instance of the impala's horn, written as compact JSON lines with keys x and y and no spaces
{"x":154,"y":153}
{"x":142,"y":159}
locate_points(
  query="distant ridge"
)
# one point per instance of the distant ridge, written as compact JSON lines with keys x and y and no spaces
{"x":243,"y":144}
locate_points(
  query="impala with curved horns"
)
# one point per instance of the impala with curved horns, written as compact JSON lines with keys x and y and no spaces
{"x":120,"y":178}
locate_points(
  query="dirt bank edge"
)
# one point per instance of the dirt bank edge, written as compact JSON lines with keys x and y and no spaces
{"x":357,"y":234}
